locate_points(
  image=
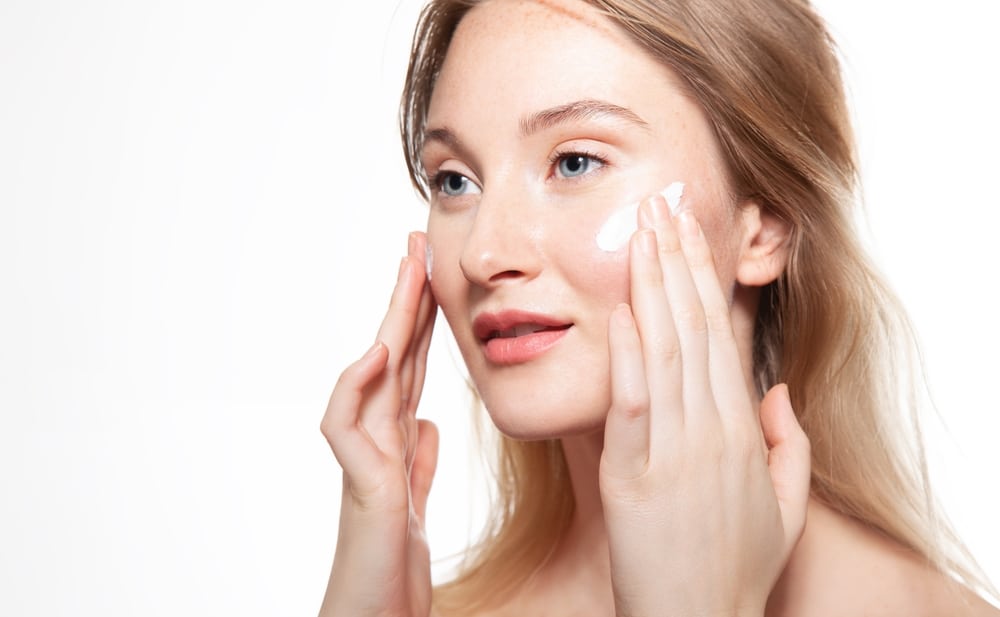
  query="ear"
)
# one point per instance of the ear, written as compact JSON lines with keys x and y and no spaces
{"x":764,"y":248}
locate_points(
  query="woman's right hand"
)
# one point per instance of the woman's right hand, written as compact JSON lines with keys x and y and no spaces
{"x":382,"y":562}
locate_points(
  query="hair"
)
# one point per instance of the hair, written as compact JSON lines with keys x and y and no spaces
{"x":765,"y":73}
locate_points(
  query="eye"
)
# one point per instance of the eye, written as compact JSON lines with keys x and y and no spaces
{"x":576,"y":164}
{"x":455,"y":185}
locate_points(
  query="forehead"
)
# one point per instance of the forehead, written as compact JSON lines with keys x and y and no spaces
{"x":520,"y":55}
{"x":544,"y":13}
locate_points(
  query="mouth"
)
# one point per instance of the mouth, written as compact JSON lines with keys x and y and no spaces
{"x":514,"y":337}
{"x":523,"y":330}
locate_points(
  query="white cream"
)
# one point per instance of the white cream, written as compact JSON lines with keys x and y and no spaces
{"x":428,"y":260}
{"x":672,"y":195}
{"x":623,"y":222}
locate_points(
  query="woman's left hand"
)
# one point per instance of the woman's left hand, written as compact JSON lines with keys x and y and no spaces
{"x":703,"y":507}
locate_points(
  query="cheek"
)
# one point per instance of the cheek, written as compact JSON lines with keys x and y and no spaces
{"x":600,"y":275}
{"x":720,"y":223}
{"x":441,"y":261}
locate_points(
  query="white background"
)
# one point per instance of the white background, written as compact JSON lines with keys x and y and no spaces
{"x":202,"y":207}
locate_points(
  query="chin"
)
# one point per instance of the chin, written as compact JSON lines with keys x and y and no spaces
{"x":535,"y":421}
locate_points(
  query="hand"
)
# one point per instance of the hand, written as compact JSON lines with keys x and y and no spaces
{"x":703,"y":508}
{"x":382,"y":563}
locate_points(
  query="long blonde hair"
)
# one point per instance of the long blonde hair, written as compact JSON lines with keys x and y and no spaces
{"x":766,"y":74}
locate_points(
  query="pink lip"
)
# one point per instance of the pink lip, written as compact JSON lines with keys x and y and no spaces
{"x":504,"y":345}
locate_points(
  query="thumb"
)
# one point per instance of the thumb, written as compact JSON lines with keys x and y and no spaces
{"x":787,"y":460}
{"x":424,"y":466}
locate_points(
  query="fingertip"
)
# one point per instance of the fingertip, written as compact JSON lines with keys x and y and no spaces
{"x":377,"y":354}
{"x":427,"y":452}
{"x":374,"y":350}
{"x":789,"y":460}
{"x":622,"y":317}
{"x":789,"y":421}
{"x":411,"y":243}
{"x":688,"y":225}
{"x":429,"y":431}
{"x":424,"y":465}
{"x":775,"y":415}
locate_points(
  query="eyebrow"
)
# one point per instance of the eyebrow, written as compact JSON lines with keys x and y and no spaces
{"x":585,"y":109}
{"x":447,"y":137}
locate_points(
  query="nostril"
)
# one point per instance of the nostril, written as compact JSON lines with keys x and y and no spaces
{"x":506,"y":274}
{"x":496,"y":257}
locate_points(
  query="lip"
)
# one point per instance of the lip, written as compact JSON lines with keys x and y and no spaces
{"x":544,"y":331}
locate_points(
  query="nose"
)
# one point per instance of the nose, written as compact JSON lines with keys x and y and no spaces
{"x":503,"y":243}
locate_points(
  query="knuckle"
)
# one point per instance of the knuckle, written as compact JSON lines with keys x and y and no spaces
{"x":631,"y":406}
{"x":326,"y":428}
{"x":630,"y":487}
{"x":343,"y":380}
{"x":651,"y":275}
{"x":700,"y":258}
{"x":665,"y":346}
{"x":669,"y":245}
{"x":691,"y":318}
{"x":718,"y":322}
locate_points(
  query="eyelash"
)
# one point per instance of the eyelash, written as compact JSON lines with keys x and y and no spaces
{"x":437,"y":179}
{"x":559,"y":155}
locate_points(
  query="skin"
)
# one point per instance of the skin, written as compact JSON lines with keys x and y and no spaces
{"x":649,"y":389}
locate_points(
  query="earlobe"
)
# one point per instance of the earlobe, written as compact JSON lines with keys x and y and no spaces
{"x":765,"y":246}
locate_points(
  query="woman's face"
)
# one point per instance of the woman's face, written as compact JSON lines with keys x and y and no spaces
{"x":545,"y":120}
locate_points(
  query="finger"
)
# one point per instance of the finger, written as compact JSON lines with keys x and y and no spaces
{"x":424,"y":466}
{"x":400,"y":320}
{"x":419,"y":355}
{"x":380,"y":417}
{"x":425,"y":314}
{"x":788,"y":461}
{"x":725,"y":370}
{"x":660,"y":348}
{"x":626,"y":431}
{"x":351,"y":444}
{"x":688,"y":316}
{"x":416,"y":370}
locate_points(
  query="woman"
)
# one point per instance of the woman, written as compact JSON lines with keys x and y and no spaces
{"x":654,"y":461}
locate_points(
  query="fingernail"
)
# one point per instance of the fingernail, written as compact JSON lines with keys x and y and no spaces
{"x":411,"y":244}
{"x":645,"y":213}
{"x":623,"y":316}
{"x":688,"y":225}
{"x":647,"y":242}
{"x":373,"y":350}
{"x":658,"y":209}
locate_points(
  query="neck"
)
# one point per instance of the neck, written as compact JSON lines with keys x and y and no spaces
{"x":583,"y":459}
{"x":581,"y":561}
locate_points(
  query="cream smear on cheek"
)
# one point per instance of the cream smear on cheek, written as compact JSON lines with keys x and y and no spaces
{"x":623,"y":222}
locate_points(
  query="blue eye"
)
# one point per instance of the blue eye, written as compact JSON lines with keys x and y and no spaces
{"x":577,"y":164}
{"x":455,"y":185}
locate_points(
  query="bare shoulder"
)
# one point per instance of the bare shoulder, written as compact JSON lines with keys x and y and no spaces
{"x":841,"y":567}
